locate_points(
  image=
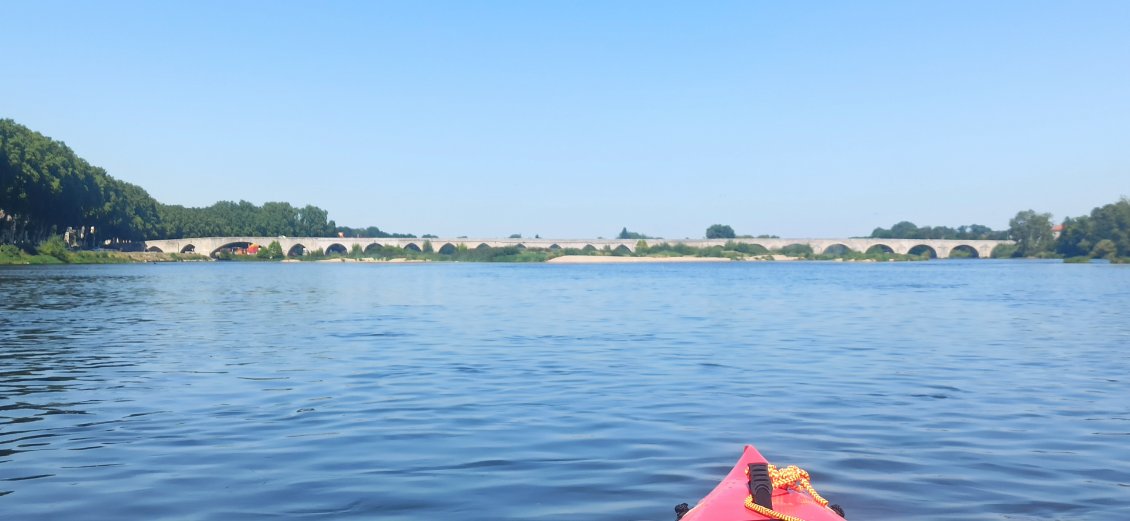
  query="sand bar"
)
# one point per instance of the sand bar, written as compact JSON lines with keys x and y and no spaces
{"x":608,"y":259}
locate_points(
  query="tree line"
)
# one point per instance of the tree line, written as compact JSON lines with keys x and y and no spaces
{"x":908,"y":230}
{"x":1105,"y":233}
{"x":45,"y":188}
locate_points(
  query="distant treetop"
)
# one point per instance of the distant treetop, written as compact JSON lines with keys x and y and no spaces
{"x":720,"y":231}
{"x":908,"y":230}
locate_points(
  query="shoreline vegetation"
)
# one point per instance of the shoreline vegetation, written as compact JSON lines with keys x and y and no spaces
{"x":56,"y":208}
{"x":55,"y":251}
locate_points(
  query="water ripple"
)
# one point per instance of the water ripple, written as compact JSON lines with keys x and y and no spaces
{"x":949,"y":390}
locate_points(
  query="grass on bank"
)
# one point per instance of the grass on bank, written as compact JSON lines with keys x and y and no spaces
{"x":55,"y":251}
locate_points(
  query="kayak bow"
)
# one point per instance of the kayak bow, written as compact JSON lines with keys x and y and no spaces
{"x":754,"y":490}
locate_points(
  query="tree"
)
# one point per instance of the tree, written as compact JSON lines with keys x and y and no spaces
{"x":1104,"y":249}
{"x":625,"y":234}
{"x":1032,"y":232}
{"x":720,"y":231}
{"x":274,"y":250}
{"x":1108,"y":225}
{"x":909,"y":230}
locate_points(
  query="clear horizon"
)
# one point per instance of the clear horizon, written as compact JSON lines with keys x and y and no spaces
{"x":577,"y":119}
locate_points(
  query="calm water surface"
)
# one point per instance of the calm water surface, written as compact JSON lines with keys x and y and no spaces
{"x":973,"y":390}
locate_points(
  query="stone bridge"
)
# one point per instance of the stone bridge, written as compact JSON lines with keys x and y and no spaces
{"x":295,"y":246}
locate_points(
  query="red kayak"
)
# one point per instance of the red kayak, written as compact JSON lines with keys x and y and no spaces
{"x":754,"y":490}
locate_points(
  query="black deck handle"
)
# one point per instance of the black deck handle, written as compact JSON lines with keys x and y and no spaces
{"x":760,"y":486}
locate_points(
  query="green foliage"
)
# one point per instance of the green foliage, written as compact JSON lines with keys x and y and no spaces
{"x":54,"y":247}
{"x":1104,"y":249}
{"x":1082,"y":259}
{"x":427,"y":248}
{"x":720,"y":231}
{"x":244,"y":219}
{"x":1082,"y":235}
{"x":370,"y":232}
{"x":274,"y":251}
{"x":45,"y":187}
{"x":515,"y":236}
{"x":908,"y":230}
{"x":747,"y":248}
{"x":1004,"y":251}
{"x":959,"y":253}
{"x":356,"y":251}
{"x":10,"y":250}
{"x":641,"y":247}
{"x":796,"y":250}
{"x":626,"y":235}
{"x":1032,"y":232}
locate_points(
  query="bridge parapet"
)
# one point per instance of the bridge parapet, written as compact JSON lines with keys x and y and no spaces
{"x":942,"y":248}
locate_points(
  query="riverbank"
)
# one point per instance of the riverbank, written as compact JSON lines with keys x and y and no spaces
{"x":97,"y":257}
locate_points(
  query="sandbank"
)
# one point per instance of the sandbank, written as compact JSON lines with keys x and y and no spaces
{"x":608,"y":259}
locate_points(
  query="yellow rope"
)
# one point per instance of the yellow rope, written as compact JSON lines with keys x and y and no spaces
{"x":789,"y":477}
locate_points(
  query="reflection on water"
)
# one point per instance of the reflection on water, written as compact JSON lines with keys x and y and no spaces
{"x":942,"y":390}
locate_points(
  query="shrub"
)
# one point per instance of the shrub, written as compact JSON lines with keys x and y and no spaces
{"x":1004,"y":251}
{"x":10,"y":250}
{"x":54,"y":247}
{"x":797,"y":250}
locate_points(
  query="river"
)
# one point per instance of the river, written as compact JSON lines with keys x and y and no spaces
{"x":941,"y":390}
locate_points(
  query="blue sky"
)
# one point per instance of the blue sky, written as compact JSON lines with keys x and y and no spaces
{"x":574,"y":119}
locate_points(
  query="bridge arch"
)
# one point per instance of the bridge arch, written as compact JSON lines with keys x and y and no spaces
{"x":154,"y":249}
{"x":336,"y":248}
{"x":880,"y":248}
{"x":837,"y":249}
{"x":554,"y":247}
{"x":589,"y":247}
{"x":923,"y":249}
{"x":297,"y":250}
{"x":188,"y":248}
{"x":482,"y":246}
{"x":447,"y":249}
{"x":231,"y":247}
{"x":413,"y":247}
{"x":964,"y":251}
{"x":797,"y":249}
{"x":621,"y":249}
{"x":751,"y":248}
{"x":373,"y":247}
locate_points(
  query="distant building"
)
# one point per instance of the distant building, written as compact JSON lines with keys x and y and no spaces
{"x":1056,"y":230}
